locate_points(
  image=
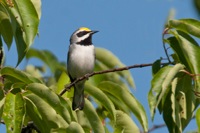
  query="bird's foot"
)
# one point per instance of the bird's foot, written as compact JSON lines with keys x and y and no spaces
{"x":67,"y":87}
{"x":87,"y":76}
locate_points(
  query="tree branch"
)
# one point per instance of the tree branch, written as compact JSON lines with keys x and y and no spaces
{"x":67,"y":87}
{"x":164,"y":46}
{"x":156,"y":127}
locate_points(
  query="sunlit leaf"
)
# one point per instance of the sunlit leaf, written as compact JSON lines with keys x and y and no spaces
{"x":68,"y":105}
{"x":188,"y":53}
{"x":168,"y":79}
{"x":175,"y":107}
{"x":114,"y":77}
{"x":1,"y":106}
{"x":110,"y":60}
{"x":120,"y":105}
{"x":29,"y":18}
{"x":34,"y":71}
{"x":125,"y":124}
{"x":12,"y":73}
{"x":51,"y":98}
{"x":156,"y":85}
{"x":93,"y":118}
{"x":35,"y":116}
{"x":62,"y":81}
{"x":179,"y":104}
{"x":37,"y":4}
{"x":102,"y":98}
{"x":14,"y":112}
{"x":190,"y":26}
{"x":46,"y":56}
{"x":128,"y":99}
{"x":198,"y":118}
{"x":83,"y":121}
{"x":159,"y":85}
{"x":48,"y":114}
{"x":72,"y":128}
{"x":170,"y":16}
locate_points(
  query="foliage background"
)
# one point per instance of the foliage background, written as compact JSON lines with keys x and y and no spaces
{"x":131,"y":29}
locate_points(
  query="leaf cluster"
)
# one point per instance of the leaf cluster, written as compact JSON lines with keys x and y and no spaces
{"x":175,"y":86}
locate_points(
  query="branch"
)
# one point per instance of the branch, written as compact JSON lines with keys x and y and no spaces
{"x":165,"y":49}
{"x":67,"y":87}
{"x":156,"y":127}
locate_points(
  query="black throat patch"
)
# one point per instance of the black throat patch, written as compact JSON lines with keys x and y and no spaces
{"x":86,"y":42}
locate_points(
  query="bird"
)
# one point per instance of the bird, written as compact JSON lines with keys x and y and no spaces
{"x":80,"y":61}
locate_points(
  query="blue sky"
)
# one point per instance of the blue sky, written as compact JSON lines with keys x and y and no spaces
{"x":131,"y":29}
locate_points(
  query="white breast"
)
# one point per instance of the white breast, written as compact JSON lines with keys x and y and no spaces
{"x":81,"y":60}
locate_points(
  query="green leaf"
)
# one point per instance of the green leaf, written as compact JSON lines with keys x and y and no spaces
{"x":125,"y":124}
{"x":128,"y":99}
{"x":179,"y":103}
{"x":198,"y":118}
{"x":46,"y":56}
{"x":188,"y":53}
{"x":118,"y":104}
{"x":33,"y":71}
{"x":114,"y":77}
{"x":14,"y":112}
{"x":12,"y":73}
{"x":20,"y":43}
{"x":93,"y":118}
{"x":156,"y":86}
{"x":170,"y":16}
{"x":68,"y":105}
{"x":168,"y":116}
{"x":50,"y":117}
{"x":25,"y":23}
{"x":175,"y":107}
{"x":160,"y":84}
{"x":186,"y":99}
{"x":37,"y":4}
{"x":2,"y":101}
{"x":5,"y":26}
{"x":168,"y":80}
{"x":62,"y":81}
{"x":190,"y":26}
{"x":51,"y":98}
{"x":156,"y":67}
{"x":29,"y":18}
{"x":72,"y":128}
{"x":35,"y":116}
{"x":83,"y":121}
{"x":110,"y":60}
{"x":102,"y":98}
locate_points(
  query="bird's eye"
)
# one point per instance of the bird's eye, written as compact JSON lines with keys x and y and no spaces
{"x":82,"y":33}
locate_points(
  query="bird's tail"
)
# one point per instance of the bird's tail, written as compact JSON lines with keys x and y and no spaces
{"x":78,"y":99}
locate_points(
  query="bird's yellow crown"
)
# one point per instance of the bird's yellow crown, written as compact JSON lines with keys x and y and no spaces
{"x":84,"y":29}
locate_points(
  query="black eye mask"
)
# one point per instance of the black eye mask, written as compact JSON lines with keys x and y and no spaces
{"x":82,"y":33}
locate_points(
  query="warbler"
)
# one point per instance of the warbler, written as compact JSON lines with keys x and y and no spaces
{"x":80,"y":61}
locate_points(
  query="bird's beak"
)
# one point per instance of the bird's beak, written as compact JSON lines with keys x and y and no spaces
{"x":94,"y":31}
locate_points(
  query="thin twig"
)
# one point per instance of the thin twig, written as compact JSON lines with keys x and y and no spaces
{"x":156,"y":127}
{"x":67,"y":87}
{"x":165,"y":49}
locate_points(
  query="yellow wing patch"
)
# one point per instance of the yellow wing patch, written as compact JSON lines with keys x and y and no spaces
{"x":84,"y":29}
